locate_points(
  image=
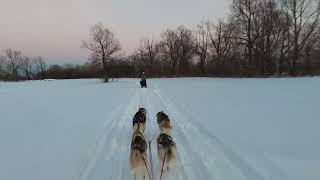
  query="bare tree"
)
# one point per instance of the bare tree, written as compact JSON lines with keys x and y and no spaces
{"x":103,"y":45}
{"x":28,"y":67}
{"x":243,"y":15}
{"x":186,"y":48}
{"x":221,"y":40}
{"x":304,"y":18}
{"x":285,"y":40}
{"x":148,"y":52}
{"x":311,"y":46}
{"x":202,"y":45}
{"x":41,"y":66}
{"x":13,"y":62}
{"x":2,"y":67}
{"x":268,"y":26}
{"x":170,"y":48}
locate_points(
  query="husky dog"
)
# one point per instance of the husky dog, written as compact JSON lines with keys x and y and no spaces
{"x":167,"y":149}
{"x":138,"y":155}
{"x":140,"y":117}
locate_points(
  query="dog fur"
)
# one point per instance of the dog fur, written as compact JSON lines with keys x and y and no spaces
{"x":163,"y":122}
{"x":139,"y":145}
{"x":167,"y":150}
{"x":161,"y":116}
{"x":140,"y":117}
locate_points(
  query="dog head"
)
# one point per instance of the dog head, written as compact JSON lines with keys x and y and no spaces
{"x":143,"y":110}
{"x":161,"y":116}
{"x":140,"y":116}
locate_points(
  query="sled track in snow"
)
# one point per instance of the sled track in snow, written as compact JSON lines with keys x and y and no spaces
{"x":200,"y":154}
{"x":223,"y":162}
{"x":114,"y":139}
{"x":98,"y":147}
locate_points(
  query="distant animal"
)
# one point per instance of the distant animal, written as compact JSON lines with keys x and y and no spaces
{"x":138,"y":155}
{"x":140,"y":117}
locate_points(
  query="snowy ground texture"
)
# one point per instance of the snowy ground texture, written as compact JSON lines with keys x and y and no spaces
{"x":225,"y":129}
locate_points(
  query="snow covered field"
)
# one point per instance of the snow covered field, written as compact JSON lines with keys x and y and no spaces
{"x":225,"y":129}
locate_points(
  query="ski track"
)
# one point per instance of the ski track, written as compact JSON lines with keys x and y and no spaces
{"x":99,"y":146}
{"x":223,"y":163}
{"x":194,"y":143}
{"x":270,"y":169}
{"x":153,"y":107}
{"x":112,"y":147}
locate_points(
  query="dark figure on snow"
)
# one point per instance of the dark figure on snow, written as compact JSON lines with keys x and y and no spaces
{"x":143,"y":81}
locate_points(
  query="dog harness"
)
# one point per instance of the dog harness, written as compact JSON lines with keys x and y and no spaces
{"x":139,"y":143}
{"x":165,"y":140}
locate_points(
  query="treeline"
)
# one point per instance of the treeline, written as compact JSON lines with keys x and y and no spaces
{"x":115,"y":69}
{"x":259,"y":38}
{"x":14,"y":66}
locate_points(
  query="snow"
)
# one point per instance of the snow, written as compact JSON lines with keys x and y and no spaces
{"x":235,"y":129}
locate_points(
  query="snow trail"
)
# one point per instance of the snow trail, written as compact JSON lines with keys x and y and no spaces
{"x":195,"y":144}
{"x":200,"y":154}
{"x":112,"y":148}
{"x":225,"y":129}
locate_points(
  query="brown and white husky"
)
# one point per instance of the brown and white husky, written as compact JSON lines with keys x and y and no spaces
{"x":138,"y":155}
{"x":167,"y":149}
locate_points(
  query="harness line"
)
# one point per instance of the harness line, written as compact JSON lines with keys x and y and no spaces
{"x":150,"y":156}
{"x":164,"y":159}
{"x":145,"y":163}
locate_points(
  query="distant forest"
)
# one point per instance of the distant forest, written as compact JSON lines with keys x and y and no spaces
{"x":258,"y":38}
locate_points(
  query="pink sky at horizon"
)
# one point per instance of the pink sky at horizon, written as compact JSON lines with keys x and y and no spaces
{"x":55,"y":29}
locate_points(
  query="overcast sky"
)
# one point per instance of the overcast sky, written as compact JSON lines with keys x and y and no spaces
{"x":54,"y":29}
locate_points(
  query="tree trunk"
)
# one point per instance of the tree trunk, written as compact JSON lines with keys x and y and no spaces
{"x":104,"y":66}
{"x":202,"y":65}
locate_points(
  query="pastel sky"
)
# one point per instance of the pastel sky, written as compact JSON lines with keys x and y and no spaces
{"x":54,"y":29}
